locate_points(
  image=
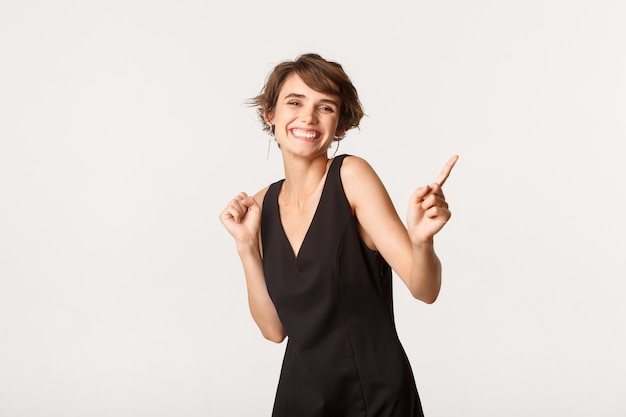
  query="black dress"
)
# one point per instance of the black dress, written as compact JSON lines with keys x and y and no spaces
{"x":343,"y":356}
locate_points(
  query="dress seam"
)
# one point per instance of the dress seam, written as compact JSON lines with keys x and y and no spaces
{"x":345,"y":320}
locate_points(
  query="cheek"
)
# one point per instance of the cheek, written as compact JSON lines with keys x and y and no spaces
{"x":285,"y":114}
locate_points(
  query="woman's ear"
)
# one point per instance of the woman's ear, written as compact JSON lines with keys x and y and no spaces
{"x":268,"y":115}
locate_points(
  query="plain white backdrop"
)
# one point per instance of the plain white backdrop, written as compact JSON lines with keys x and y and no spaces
{"x":124,"y":132}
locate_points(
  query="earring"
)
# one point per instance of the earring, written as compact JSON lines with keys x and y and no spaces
{"x":336,"y":148}
{"x":269,"y":141}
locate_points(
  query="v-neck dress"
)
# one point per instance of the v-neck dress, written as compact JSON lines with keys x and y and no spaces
{"x":334,"y":298}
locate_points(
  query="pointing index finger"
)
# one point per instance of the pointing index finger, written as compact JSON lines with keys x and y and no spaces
{"x":445,"y":172}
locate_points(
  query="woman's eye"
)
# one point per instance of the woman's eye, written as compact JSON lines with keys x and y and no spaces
{"x":326,"y":108}
{"x":293,"y":103}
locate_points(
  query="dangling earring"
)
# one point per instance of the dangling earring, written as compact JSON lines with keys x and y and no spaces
{"x":269,"y":141}
{"x":336,"y":148}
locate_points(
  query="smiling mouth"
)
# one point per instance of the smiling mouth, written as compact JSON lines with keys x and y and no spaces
{"x":305,"y":134}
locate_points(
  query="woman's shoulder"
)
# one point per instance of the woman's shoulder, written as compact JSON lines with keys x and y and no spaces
{"x":360,"y":181}
{"x":259,"y":196}
{"x":355,"y":167}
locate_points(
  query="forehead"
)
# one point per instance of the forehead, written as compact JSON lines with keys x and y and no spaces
{"x":294,"y":84}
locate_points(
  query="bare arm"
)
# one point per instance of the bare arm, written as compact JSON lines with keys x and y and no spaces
{"x":410,"y":252}
{"x":242,"y":219}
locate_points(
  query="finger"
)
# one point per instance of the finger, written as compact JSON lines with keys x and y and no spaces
{"x":440,"y":213}
{"x":249,"y":204}
{"x":248,"y":201}
{"x":437,"y":190}
{"x":229,"y":214}
{"x":445,"y":172}
{"x":420,"y":193}
{"x":433,"y":200}
{"x":237,"y":210}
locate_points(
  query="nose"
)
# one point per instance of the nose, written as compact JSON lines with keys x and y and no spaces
{"x":308,"y":115}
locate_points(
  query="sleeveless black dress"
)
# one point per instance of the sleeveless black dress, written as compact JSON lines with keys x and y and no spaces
{"x":343,"y":357}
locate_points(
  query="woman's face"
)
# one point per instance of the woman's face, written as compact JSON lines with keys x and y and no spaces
{"x":305,"y":120}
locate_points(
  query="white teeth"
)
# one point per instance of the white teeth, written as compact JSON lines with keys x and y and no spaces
{"x":303,"y":134}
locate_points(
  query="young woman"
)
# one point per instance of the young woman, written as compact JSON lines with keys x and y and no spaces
{"x":318,"y":249}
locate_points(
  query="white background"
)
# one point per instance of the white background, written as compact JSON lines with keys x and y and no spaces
{"x":124,"y":132}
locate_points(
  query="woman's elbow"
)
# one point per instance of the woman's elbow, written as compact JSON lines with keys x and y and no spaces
{"x":428,"y":298}
{"x":276,"y":336}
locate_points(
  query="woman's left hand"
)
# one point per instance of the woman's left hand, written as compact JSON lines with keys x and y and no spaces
{"x":428,"y":211}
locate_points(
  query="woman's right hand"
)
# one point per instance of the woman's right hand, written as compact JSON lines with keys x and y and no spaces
{"x":242,"y":218}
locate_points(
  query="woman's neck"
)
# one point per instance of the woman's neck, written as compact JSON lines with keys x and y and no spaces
{"x":303,"y":177}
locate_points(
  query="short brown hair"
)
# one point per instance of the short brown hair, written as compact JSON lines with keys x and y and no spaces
{"x":319,"y":74}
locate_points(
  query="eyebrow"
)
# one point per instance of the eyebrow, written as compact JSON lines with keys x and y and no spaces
{"x":324,"y":100}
